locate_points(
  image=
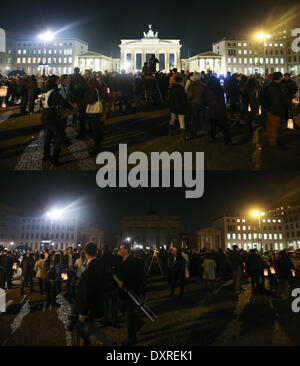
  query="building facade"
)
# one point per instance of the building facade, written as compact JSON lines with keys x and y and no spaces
{"x":207,"y":61}
{"x":210,"y":238}
{"x":9,"y":227}
{"x":58,"y":57}
{"x":95,"y":62}
{"x":250,"y":57}
{"x":152,"y":230}
{"x":291,"y":218}
{"x":135,"y":52}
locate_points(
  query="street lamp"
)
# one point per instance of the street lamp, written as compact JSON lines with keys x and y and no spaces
{"x":46,"y":37}
{"x":259,"y":215}
{"x":264,"y":37}
{"x":54,"y":214}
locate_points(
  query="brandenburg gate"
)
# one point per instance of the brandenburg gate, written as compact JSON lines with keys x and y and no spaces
{"x":152,"y":230}
{"x":135,"y":52}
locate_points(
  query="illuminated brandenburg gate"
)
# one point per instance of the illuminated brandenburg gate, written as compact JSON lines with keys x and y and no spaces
{"x":135,"y":52}
{"x":152,"y":230}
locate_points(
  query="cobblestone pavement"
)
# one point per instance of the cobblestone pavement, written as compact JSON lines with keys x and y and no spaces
{"x":145,"y":131}
{"x":221,"y":318}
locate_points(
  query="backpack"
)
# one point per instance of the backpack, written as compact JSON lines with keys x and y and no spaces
{"x":264,"y":97}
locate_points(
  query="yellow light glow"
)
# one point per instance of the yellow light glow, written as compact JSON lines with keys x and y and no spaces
{"x":262,"y":35}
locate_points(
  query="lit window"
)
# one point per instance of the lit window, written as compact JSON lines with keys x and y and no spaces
{"x":244,"y":227}
{"x":270,"y":236}
{"x":245,"y":52}
{"x":265,"y":236}
{"x":19,"y":52}
{"x":228,"y":236}
{"x":238,"y":220}
{"x":238,"y":227}
{"x":250,"y":236}
{"x":240,"y":52}
{"x":233,"y":236}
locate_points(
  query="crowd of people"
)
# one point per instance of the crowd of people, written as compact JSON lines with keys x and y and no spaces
{"x":197,"y":102}
{"x":98,"y":280}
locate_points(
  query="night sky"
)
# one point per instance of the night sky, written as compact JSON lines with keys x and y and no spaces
{"x":225,"y":192}
{"x":103,"y":23}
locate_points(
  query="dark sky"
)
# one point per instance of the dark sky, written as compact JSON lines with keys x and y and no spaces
{"x":225,"y":192}
{"x":103,"y":23}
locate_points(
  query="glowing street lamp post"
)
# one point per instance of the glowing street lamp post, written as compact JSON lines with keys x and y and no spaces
{"x":46,"y":37}
{"x":259,"y":214}
{"x":264,"y":37}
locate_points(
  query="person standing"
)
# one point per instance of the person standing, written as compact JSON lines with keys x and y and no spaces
{"x":177,"y":271}
{"x":216,"y":109}
{"x":196,"y":94}
{"x":130,"y":272}
{"x":94,"y":110}
{"x":178,"y":106}
{"x":69,"y":264}
{"x":254,"y":268}
{"x":109,"y":262}
{"x":77,"y":89}
{"x":39,"y":269}
{"x":89,"y":299}
{"x":209,"y":274}
{"x":53,"y":125}
{"x":283,"y":268}
{"x":236,"y":262}
{"x":276,"y":95}
{"x":27,"y":266}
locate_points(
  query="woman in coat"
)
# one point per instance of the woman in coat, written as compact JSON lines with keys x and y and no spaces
{"x":217,"y":109}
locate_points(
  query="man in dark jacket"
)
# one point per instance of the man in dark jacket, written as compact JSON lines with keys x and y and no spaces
{"x":77,"y":89}
{"x":69,"y":262}
{"x":291,"y":90}
{"x":90,"y":294}
{"x":283,"y":268}
{"x":4,"y":269}
{"x":109,"y":262}
{"x":233,"y":93}
{"x":177,"y":271}
{"x":277,"y":104}
{"x":130,"y":273}
{"x":178,"y":105}
{"x":52,"y":122}
{"x":236,"y":262}
{"x":27,"y":266}
{"x":254,"y":267}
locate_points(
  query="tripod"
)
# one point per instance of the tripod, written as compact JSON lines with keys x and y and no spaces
{"x":157,"y":261}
